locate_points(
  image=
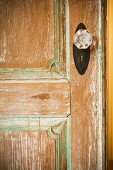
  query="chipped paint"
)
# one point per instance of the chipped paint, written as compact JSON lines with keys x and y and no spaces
{"x":25,"y":139}
{"x":35,"y":98}
{"x":36,"y":122}
{"x":67,"y":40}
{"x":44,"y":72}
{"x":68,"y":142}
{"x":100,"y":87}
{"x":3,"y":54}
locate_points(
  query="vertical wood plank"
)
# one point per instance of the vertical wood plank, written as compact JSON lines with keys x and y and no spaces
{"x":86,"y":90}
{"x":110,"y":77}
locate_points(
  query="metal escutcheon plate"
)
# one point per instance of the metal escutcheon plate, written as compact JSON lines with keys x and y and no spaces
{"x":81,"y":51}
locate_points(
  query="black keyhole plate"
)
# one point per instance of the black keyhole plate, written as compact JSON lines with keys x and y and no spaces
{"x":81,"y":56}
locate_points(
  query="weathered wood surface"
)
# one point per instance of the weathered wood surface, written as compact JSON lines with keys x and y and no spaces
{"x":44,"y":98}
{"x":32,"y":39}
{"x":27,"y":107}
{"x":26,"y":33}
{"x":24,"y":150}
{"x":45,"y":147}
{"x":34,"y":127}
{"x":86,"y":91}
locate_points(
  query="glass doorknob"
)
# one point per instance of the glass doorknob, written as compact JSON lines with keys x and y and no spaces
{"x":82,"y":39}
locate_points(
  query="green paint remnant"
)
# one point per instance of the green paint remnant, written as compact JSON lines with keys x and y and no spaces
{"x":57,"y":148}
{"x":99,"y":80}
{"x":31,"y":73}
{"x":67,"y":39}
{"x":59,"y":127}
{"x":51,"y":134}
{"x":61,"y":47}
{"x":68,"y":142}
{"x":63,"y":147}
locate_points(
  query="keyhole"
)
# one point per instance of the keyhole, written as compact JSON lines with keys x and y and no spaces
{"x":82,"y":58}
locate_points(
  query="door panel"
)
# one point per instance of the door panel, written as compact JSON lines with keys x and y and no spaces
{"x":30,"y":144}
{"x":32,"y":39}
{"x":27,"y":149}
{"x":33,"y":20}
{"x":42,"y":98}
{"x":34,"y":86}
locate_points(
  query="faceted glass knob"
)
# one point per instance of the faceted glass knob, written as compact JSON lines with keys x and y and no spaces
{"x":82,"y":39}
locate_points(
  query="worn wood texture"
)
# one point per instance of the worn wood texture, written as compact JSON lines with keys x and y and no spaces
{"x":35,"y":114}
{"x":86,"y":108}
{"x":26,"y":150}
{"x":25,"y":27}
{"x":46,"y":147}
{"x":42,"y":98}
{"x":104,"y":84}
{"x":32,"y":39}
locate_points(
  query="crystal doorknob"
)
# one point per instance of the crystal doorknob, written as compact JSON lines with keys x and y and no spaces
{"x":81,"y":48}
{"x":82,"y":39}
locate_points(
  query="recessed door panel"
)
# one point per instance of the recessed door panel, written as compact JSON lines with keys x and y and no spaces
{"x":34,"y":143}
{"x":42,"y":98}
{"x":26,"y":33}
{"x":32,"y":39}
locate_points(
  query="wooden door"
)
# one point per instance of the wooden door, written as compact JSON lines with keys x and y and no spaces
{"x":51,"y":117}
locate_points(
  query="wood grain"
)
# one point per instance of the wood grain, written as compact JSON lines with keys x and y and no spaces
{"x":35,"y":114}
{"x":32,"y":39}
{"x":35,"y":98}
{"x":86,"y":107}
{"x":35,"y":149}
{"x":26,"y":33}
{"x":26,"y":150}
